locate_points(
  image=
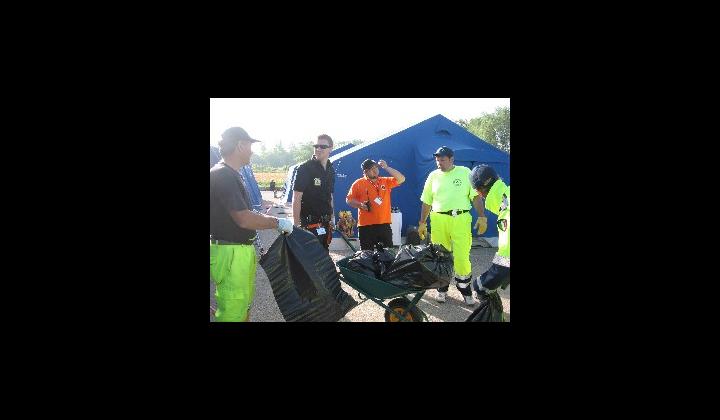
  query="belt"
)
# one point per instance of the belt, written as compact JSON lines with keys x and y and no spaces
{"x":452,"y":212}
{"x":317,"y":219}
{"x":328,"y":231}
{"x":221,"y":242}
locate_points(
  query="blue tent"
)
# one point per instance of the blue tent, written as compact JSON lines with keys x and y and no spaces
{"x":292,"y":171}
{"x":214,"y":156}
{"x":252,"y":186}
{"x":247,"y":175}
{"x":411,"y":152}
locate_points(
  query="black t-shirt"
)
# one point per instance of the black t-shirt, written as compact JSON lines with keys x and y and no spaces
{"x":227,"y":192}
{"x":316,"y":184}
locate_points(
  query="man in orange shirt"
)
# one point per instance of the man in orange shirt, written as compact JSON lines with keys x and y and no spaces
{"x":371,"y":196}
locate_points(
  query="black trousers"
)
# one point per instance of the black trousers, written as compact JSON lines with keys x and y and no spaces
{"x":322,"y":238}
{"x":372,"y":234}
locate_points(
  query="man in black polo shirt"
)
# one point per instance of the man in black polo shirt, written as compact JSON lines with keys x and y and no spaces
{"x":313,"y":192}
{"x":232,"y":229}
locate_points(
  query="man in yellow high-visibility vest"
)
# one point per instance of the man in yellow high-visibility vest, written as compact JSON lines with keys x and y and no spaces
{"x":449,"y":194}
{"x":497,"y":200}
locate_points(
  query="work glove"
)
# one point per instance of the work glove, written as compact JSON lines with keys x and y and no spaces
{"x":285,"y":225}
{"x":481,"y":225}
{"x":422,"y":230}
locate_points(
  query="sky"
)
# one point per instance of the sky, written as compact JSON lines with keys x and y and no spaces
{"x":299,"y":120}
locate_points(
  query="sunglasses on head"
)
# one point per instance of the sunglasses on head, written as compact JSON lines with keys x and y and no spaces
{"x":321,"y":146}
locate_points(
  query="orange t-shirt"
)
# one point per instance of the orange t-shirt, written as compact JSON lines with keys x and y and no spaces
{"x":363,"y":190}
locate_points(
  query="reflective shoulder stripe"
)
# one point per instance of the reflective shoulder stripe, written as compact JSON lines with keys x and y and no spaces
{"x":500,"y":260}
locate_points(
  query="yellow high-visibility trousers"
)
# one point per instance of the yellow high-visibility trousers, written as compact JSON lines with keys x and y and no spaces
{"x":232,"y":268}
{"x":455,"y":234}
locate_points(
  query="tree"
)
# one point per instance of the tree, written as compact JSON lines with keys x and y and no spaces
{"x":280,"y":159}
{"x":346,"y":142}
{"x":301,"y":152}
{"x":493,"y":128}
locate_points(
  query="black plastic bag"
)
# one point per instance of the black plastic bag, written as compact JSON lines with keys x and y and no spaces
{"x":489,"y":310}
{"x":412,"y":237}
{"x":372,"y":263}
{"x":421,"y":267}
{"x":383,"y":258}
{"x":362,"y":262}
{"x":304,"y":279}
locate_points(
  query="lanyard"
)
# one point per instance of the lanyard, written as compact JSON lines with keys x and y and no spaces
{"x":377,"y":189}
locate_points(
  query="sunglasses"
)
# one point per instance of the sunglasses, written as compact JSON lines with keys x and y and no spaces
{"x":321,"y":146}
{"x":502,"y":224}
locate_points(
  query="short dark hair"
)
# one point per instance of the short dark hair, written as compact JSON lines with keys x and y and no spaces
{"x":326,"y":137}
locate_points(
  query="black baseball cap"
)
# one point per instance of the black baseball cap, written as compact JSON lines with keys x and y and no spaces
{"x":483,"y":176}
{"x":444,"y":151}
{"x":368,"y":164}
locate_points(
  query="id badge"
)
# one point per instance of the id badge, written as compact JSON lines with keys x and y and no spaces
{"x":378,"y":201}
{"x":320,"y":231}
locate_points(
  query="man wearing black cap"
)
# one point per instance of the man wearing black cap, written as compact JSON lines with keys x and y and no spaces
{"x":232,"y":229}
{"x":313,"y":192}
{"x":448,"y":193}
{"x":371,"y":196}
{"x":497,"y":200}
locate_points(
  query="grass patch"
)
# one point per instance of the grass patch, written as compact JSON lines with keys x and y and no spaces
{"x":263,"y":179}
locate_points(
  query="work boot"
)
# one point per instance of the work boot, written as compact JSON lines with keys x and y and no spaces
{"x":441,"y":297}
{"x":469,"y":300}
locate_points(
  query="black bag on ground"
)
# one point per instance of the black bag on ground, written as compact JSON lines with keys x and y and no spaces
{"x":372,"y":263}
{"x":304,"y":279}
{"x":412,"y":237}
{"x":421,"y":267}
{"x":490,"y":308}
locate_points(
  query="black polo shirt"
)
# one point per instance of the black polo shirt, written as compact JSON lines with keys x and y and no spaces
{"x":316,"y":183}
{"x":228,"y":192}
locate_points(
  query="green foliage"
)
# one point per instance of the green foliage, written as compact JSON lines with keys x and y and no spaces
{"x":280,"y":159}
{"x":301,"y":152}
{"x":264,"y":168}
{"x":493,"y":128}
{"x":346,"y":142}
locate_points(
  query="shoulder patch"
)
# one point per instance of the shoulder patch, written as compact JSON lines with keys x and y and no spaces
{"x":504,"y":203}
